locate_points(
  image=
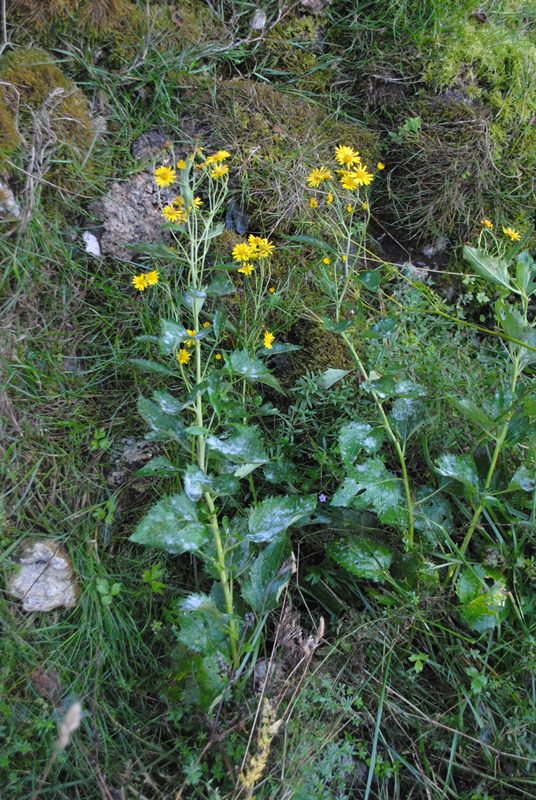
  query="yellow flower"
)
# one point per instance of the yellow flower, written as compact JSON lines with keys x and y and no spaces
{"x":487,"y":223}
{"x":246,"y":269}
{"x":197,"y":202}
{"x":268,"y":340}
{"x":219,"y":171}
{"x":365,"y":206}
{"x":151,"y":278}
{"x":272,"y":289}
{"x":206,"y":324}
{"x":164,"y":176}
{"x":317,"y":176}
{"x":380,"y":165}
{"x":218,"y":357}
{"x":511,"y":233}
{"x":183,"y":356}
{"x":173,"y":214}
{"x":178,"y":201}
{"x":221,"y":155}
{"x":139,"y":282}
{"x":190,"y":333}
{"x":181,"y":163}
{"x":349,"y":208}
{"x":329,"y":198}
{"x":313,"y":202}
{"x":346,"y":155}
{"x":362,"y":175}
{"x":343,"y":258}
{"x":349,"y":181}
{"x":265,"y":248}
{"x":242,"y":251}
{"x":326,"y":261}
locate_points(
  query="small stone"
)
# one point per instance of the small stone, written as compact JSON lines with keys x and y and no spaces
{"x":8,"y":205}
{"x":91,"y":242}
{"x":258,"y":22}
{"x":45,"y":579}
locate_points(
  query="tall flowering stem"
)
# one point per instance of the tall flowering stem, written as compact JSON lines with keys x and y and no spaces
{"x":348,"y":208}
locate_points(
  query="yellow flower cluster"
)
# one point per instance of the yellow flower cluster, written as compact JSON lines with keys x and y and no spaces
{"x":352,"y":176}
{"x":176,"y":210}
{"x":510,"y":233}
{"x":256,"y":248}
{"x":141,"y":282}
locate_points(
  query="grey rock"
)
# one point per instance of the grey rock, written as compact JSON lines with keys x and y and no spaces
{"x":45,"y":579}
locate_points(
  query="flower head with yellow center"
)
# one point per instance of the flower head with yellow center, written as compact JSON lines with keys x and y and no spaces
{"x":326,"y":260}
{"x":139,"y":282}
{"x":152,"y":277}
{"x":346,"y":156}
{"x":242,"y":251}
{"x":181,"y":163}
{"x":268,"y":340}
{"x":380,"y":165}
{"x":349,"y":208}
{"x":173,"y":214}
{"x":349,"y":180}
{"x":164,"y":176}
{"x":190,"y":342}
{"x":317,"y":176}
{"x":487,"y":223}
{"x":183,"y":356}
{"x":264,"y":248}
{"x":197,"y":202}
{"x":246,"y":269}
{"x":362,"y":175}
{"x":313,"y":202}
{"x":329,"y":198}
{"x":219,"y":171}
{"x":511,"y":233}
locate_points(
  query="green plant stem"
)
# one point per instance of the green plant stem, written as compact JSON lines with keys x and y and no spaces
{"x":396,"y":444}
{"x":453,"y":571}
{"x":225,"y":580}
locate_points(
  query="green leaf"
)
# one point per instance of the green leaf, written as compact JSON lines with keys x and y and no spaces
{"x":371,"y":485}
{"x":224,"y":485}
{"x":312,"y":241}
{"x":217,"y":230}
{"x":405,"y":415}
{"x":392,"y":386}
{"x":167,"y":403}
{"x":489,"y":267}
{"x":433,"y":514}
{"x":337,"y":327}
{"x":526,"y":273}
{"x":482,"y":594}
{"x":331,"y":376}
{"x":221,"y":285}
{"x":268,"y":576}
{"x":172,"y":525}
{"x":160,"y":466}
{"x":357,"y":436}
{"x":152,"y":366}
{"x":523,"y":479}
{"x":253,"y":369}
{"x":195,"y":482}
{"x":513,"y":324}
{"x":370,"y":279}
{"x":275,"y":514}
{"x":165,"y":427}
{"x":361,"y":557}
{"x":171,"y":336}
{"x":461,"y":468}
{"x":243,"y":447}
{"x":473,"y":413}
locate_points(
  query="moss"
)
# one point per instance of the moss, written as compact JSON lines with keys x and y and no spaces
{"x":9,"y":136}
{"x":31,"y":82}
{"x":276,"y":137}
{"x":294,"y":50}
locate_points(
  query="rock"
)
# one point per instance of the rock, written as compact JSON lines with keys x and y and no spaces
{"x":258,"y":21}
{"x":45,"y":579}
{"x":91,"y":243}
{"x":136,"y":454}
{"x":150,"y":145}
{"x":130,"y":214}
{"x":8,"y":205}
